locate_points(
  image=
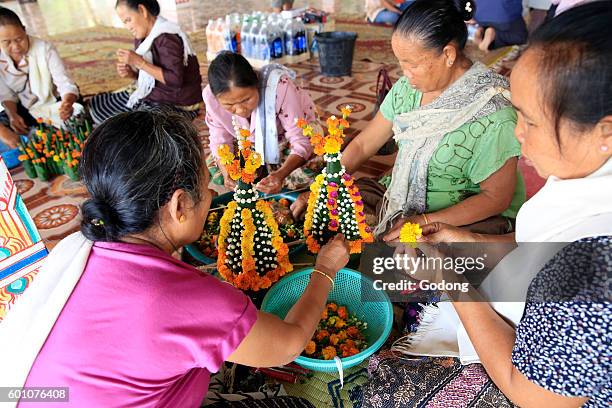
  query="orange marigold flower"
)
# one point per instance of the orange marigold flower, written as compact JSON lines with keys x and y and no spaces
{"x":342,"y":312}
{"x":346,"y":110}
{"x":247,"y":177}
{"x":334,"y":339}
{"x":324,"y":314}
{"x":332,"y":122}
{"x":245,"y":132}
{"x":329,"y":353}
{"x":352,"y":332}
{"x":321,"y":334}
{"x":332,"y":307}
{"x":311,"y":347}
{"x":347,"y":352}
{"x":301,"y":123}
{"x":339,"y":324}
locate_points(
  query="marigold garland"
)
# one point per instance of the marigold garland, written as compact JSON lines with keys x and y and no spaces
{"x":252,"y":254}
{"x":334,"y":204}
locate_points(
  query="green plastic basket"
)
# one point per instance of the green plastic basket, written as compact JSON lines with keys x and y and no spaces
{"x":349,"y":288}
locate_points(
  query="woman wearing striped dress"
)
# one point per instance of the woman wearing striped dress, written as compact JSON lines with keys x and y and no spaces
{"x":163,"y":63}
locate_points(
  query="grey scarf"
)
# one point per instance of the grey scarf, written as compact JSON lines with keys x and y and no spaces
{"x":478,"y":93}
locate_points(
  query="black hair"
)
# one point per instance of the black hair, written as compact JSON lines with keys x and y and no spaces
{"x":229,"y":69}
{"x":9,"y":17}
{"x":152,"y":6}
{"x":131,"y":165}
{"x":575,"y":55}
{"x":436,"y":22}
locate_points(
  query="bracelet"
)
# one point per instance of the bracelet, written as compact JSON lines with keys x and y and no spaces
{"x":425,"y":218}
{"x":326,"y":275}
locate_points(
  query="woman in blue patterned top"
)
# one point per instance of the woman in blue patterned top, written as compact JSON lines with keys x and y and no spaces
{"x":560,"y":354}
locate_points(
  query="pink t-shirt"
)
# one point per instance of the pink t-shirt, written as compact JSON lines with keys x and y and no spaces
{"x":292,"y":103}
{"x":141,"y":329}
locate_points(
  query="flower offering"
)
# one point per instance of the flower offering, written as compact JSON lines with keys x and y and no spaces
{"x":334,"y":204}
{"x":51,"y":151}
{"x":251,"y":251}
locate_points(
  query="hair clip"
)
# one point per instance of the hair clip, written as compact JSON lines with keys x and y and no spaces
{"x":97,"y":222}
{"x":468,"y":7}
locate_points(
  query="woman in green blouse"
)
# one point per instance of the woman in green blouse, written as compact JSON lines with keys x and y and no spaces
{"x":454,"y":126}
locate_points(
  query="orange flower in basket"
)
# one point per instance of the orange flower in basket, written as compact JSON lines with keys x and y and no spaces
{"x":342,"y":312}
{"x":311,"y":347}
{"x":352,"y":331}
{"x":323,"y":334}
{"x":329,"y":353}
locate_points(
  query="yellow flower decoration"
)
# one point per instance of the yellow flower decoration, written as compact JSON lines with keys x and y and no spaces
{"x":226,"y":156}
{"x":346,"y":111}
{"x":410,"y":233}
{"x":332,"y":145}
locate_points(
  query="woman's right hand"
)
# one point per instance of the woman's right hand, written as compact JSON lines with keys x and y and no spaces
{"x":333,"y":256}
{"x":8,"y":137}
{"x":18,"y":124}
{"x":298,"y":207}
{"x":438,"y":232}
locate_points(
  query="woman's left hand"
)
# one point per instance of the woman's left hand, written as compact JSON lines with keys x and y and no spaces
{"x":130,"y":57}
{"x":66,"y":110}
{"x":271,"y":185}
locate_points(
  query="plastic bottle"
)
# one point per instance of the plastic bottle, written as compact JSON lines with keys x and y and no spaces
{"x":289,"y":38}
{"x":275,"y":39}
{"x":245,"y":37}
{"x":301,"y":35}
{"x":237,"y":27}
{"x":263,"y":42}
{"x":254,"y":38}
{"x":218,"y":35}
{"x":209,"y":35}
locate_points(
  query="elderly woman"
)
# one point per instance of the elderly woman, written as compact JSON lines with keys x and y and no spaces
{"x":559,"y":354}
{"x":268,"y":103}
{"x":33,"y":81}
{"x":163,"y":63}
{"x":453,"y":122}
{"x":124,"y":322}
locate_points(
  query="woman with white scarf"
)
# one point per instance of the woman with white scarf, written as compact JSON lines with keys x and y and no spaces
{"x":33,"y":79}
{"x":268,"y":103}
{"x":557,"y":351}
{"x":164,"y":65}
{"x":452,"y":121}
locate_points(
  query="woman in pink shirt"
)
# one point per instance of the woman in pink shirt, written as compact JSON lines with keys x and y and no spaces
{"x":139,"y":327}
{"x":268,"y":103}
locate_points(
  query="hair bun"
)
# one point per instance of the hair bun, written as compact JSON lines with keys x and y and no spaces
{"x":99,"y":220}
{"x":466,"y":8}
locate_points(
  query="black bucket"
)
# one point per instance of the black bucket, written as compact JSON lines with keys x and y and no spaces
{"x":336,"y":52}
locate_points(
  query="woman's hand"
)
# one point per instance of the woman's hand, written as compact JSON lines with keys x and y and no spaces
{"x":394,"y":232}
{"x":271,"y":185}
{"x":124,"y":71}
{"x":333,"y":256}
{"x":129,"y":57}
{"x":438,"y":232}
{"x":66,"y":110}
{"x":228,"y":182}
{"x":18,"y":124}
{"x":298,"y":207}
{"x":8,"y":137}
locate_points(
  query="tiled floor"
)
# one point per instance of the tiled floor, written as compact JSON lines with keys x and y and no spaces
{"x":50,"y":17}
